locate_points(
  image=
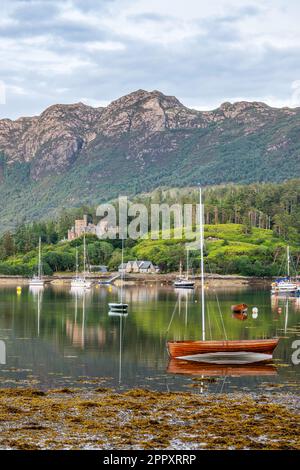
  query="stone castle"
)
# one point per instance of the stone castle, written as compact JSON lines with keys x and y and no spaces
{"x":82,"y":226}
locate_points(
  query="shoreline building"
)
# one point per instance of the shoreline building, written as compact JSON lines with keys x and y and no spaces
{"x":80,"y":227}
{"x":138,"y":267}
{"x":103,"y":229}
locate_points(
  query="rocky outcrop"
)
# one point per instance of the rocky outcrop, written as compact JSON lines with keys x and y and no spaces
{"x":52,"y":142}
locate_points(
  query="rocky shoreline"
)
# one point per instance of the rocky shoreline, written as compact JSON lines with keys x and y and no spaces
{"x":102,"y":418}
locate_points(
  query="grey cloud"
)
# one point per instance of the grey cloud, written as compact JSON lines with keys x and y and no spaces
{"x":148,"y":16}
{"x":201,"y":69}
{"x":35,"y":11}
{"x":91,"y":5}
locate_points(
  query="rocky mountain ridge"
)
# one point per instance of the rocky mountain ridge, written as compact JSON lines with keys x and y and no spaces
{"x":54,"y":139}
{"x":141,"y":141}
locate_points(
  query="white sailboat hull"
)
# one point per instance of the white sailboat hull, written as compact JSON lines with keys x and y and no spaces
{"x":184,"y":284}
{"x":117,"y":307}
{"x":282,"y":288}
{"x":81,"y":283}
{"x":228,"y":358}
{"x":36,"y":282}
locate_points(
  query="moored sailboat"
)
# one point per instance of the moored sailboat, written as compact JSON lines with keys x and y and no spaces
{"x":81,"y":282}
{"x":119,"y":306}
{"x":37,"y":280}
{"x":285,"y":285}
{"x":194,"y":349}
{"x":184,"y":282}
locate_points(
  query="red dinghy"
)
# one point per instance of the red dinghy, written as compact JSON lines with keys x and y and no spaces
{"x":240,"y":308}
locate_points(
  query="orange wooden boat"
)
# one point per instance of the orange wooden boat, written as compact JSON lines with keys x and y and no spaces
{"x":194,"y":348}
{"x":178,"y":366}
{"x":190,"y":348}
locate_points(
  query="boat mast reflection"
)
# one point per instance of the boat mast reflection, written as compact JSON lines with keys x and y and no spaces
{"x":37,"y":293}
{"x":122,"y":316}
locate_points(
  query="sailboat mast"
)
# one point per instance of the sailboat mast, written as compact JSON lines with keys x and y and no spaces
{"x":76,"y":263}
{"x":288,"y":260}
{"x":120,"y":352}
{"x":202,"y":265}
{"x":122,"y":270}
{"x":187,"y":263}
{"x":39,"y":265}
{"x":84,"y":256}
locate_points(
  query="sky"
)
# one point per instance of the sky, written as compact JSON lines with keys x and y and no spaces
{"x":94,"y":51}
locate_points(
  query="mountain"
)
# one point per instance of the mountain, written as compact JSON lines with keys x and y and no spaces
{"x":76,"y":154}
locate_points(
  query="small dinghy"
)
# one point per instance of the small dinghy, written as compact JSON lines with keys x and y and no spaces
{"x":240,"y":308}
{"x":118,"y":307}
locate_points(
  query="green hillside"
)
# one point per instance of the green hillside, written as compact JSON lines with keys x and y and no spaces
{"x":228,"y":250}
{"x":247,"y":230}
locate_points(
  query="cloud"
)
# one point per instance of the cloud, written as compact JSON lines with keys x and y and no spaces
{"x":202,"y":52}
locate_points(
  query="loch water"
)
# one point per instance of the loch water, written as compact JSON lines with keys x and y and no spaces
{"x":56,"y":337}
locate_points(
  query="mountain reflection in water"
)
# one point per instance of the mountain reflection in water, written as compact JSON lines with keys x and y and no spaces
{"x":58,"y":337}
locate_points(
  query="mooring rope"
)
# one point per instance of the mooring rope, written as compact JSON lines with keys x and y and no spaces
{"x":174,"y":310}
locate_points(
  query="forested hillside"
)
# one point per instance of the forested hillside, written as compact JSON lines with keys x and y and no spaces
{"x":75,"y":154}
{"x":247,"y":230}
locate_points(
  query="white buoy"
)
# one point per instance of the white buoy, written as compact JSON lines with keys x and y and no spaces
{"x":254,"y":312}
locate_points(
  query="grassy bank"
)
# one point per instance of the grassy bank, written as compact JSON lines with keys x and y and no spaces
{"x":229,"y":249}
{"x":142,"y":419}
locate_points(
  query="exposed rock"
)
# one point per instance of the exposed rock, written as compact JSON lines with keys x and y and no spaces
{"x":52,"y":142}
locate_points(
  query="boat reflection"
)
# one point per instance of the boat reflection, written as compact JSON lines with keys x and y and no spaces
{"x":240,"y":316}
{"x":77,"y":331}
{"x":179,"y":366}
{"x":37,"y":294}
{"x":121,"y":316}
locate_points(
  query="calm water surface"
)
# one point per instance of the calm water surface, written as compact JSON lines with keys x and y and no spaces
{"x":58,"y":338}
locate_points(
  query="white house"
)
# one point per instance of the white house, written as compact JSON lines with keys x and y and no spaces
{"x":138,"y":267}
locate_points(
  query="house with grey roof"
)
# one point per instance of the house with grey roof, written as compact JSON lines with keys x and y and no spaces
{"x":142,"y":266}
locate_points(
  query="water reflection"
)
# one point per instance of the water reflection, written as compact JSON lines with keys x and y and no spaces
{"x":121,"y":316}
{"x":240,"y":316}
{"x":61,"y":335}
{"x":37,"y":294}
{"x":77,"y":331}
{"x":177,"y":366}
{"x":2,"y":352}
